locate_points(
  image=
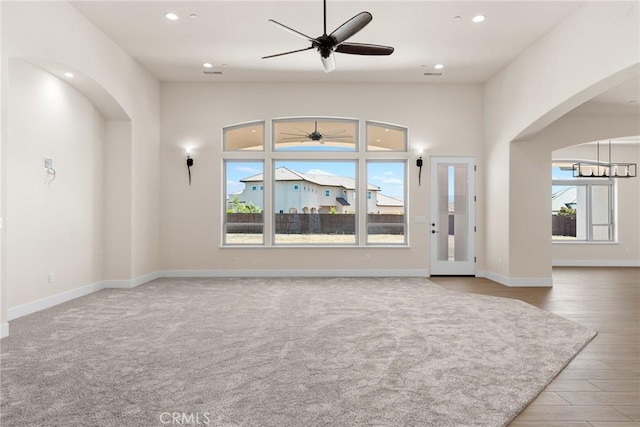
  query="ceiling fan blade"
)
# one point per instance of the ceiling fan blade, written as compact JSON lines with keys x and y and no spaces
{"x":294,"y":134}
{"x":287,"y":53}
{"x":364,"y":49}
{"x":352,"y":26}
{"x":292,"y":31}
{"x":328,"y":63}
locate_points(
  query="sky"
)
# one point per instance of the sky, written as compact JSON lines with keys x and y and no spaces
{"x":386,"y":175}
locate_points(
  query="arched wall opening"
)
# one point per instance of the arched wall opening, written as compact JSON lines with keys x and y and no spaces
{"x":531,"y":182}
{"x":68,"y":228}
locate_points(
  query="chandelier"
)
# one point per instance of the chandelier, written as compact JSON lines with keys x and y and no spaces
{"x":604,"y":170}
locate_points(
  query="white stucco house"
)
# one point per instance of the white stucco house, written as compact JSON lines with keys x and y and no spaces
{"x":297,"y":192}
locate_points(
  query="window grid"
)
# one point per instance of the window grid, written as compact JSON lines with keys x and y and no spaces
{"x":361,"y":155}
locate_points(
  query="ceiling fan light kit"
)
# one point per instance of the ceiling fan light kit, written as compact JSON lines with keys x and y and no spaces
{"x":327,"y":44}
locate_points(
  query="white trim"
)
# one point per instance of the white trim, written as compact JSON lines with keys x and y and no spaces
{"x":514,"y":282}
{"x":131,"y":283}
{"x":4,"y":330}
{"x":596,"y":263}
{"x":44,"y":303}
{"x":296,"y":273}
{"x":41,"y":304}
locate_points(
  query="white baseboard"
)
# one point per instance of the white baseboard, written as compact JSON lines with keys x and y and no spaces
{"x":41,"y":304}
{"x":4,"y":330}
{"x":131,"y":283}
{"x":44,"y":303}
{"x":596,"y":263}
{"x":295,"y":273}
{"x":543,"y":282}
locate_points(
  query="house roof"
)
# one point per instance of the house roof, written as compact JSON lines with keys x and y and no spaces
{"x":383,"y":200}
{"x":285,"y":174}
{"x":567,"y":197}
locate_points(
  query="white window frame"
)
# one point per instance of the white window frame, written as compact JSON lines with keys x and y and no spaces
{"x":589,"y":184}
{"x":269,"y":156}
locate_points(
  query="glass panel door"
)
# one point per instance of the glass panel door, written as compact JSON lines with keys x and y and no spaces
{"x":452,"y":216}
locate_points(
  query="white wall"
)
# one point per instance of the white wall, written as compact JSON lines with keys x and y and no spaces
{"x":57,"y":38}
{"x":55,"y":227}
{"x":442,"y":119}
{"x":594,"y":49}
{"x":4,"y":326}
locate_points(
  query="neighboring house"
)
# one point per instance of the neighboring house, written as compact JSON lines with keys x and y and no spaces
{"x":297,"y":192}
{"x":389,"y":205}
{"x":567,"y":197}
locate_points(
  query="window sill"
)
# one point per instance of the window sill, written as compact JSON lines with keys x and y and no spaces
{"x":582,"y":242}
{"x":283,"y":246}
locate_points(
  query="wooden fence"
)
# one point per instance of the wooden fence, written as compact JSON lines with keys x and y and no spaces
{"x":563,"y":225}
{"x":320,"y":223}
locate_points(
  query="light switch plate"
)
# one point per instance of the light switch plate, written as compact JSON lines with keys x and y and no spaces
{"x":48,"y":162}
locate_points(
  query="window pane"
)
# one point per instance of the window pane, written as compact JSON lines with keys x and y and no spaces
{"x":315,"y":135}
{"x":564,"y":208}
{"x":386,"y":137}
{"x":244,"y":221}
{"x":314,"y":202}
{"x":600,"y":204}
{"x":385,"y":202}
{"x":601,"y":232}
{"x":249,"y":136}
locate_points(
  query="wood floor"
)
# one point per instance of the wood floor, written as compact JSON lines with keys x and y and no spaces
{"x":601,"y":386}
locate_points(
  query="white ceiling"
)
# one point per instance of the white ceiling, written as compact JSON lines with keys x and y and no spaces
{"x":234,"y":35}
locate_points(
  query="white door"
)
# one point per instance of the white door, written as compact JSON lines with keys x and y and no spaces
{"x":452,"y":226}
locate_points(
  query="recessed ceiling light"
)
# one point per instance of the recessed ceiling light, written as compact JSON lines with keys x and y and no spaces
{"x":377,"y":140}
{"x":207,"y":65}
{"x":253,"y":131}
{"x":193,"y":16}
{"x":171,"y":16}
{"x":386,"y":130}
{"x":457,"y":17}
{"x":479,"y":18}
{"x":438,"y":66}
{"x":70,"y":75}
{"x":633,"y":101}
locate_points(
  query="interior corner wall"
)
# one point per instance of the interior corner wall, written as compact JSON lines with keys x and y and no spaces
{"x":529,"y":211}
{"x":442,"y":119}
{"x":118,"y":227}
{"x":55,"y":230}
{"x":4,"y":326}
{"x":56,"y":33}
{"x":581,"y":57}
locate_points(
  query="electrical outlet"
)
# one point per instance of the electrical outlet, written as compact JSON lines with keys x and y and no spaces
{"x":51,"y":278}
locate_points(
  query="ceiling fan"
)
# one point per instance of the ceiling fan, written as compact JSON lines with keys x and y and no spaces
{"x":316,"y":135}
{"x":326,"y":45}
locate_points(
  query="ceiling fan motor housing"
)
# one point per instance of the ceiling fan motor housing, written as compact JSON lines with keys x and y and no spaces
{"x":325,"y":45}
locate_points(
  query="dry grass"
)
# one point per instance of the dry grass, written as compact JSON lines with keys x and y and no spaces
{"x":305,"y":239}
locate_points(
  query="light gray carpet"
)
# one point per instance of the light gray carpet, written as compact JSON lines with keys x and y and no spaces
{"x":282,"y":352}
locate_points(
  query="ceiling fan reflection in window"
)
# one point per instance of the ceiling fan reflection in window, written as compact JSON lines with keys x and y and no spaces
{"x":326,"y":45}
{"x":316,"y":135}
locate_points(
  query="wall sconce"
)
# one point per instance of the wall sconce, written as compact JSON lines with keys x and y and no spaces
{"x":189,"y":164}
{"x":419,"y":165}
